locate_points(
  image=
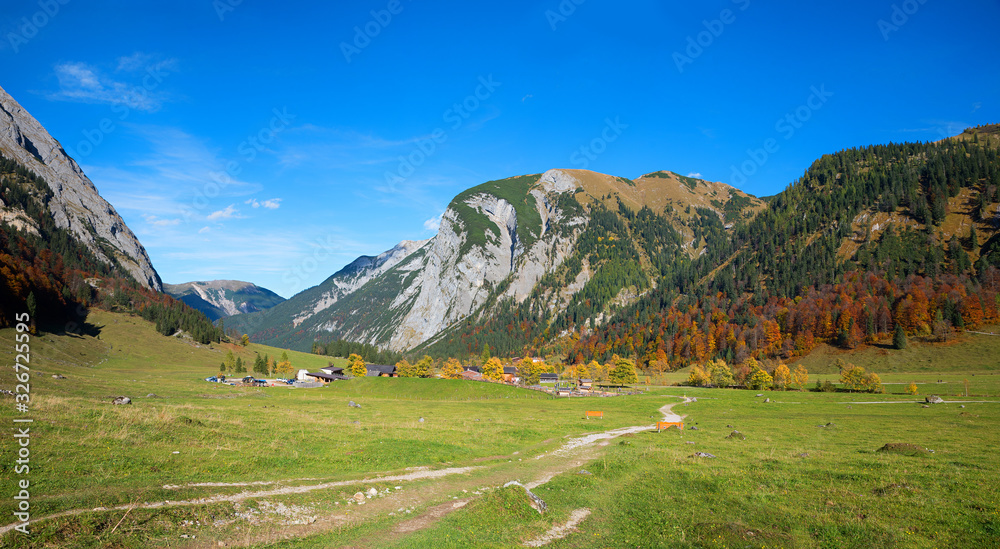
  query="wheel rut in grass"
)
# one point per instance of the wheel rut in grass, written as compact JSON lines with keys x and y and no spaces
{"x":576,"y":452}
{"x":571,"y":455}
{"x":287,"y":490}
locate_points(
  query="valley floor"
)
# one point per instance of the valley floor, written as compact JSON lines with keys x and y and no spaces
{"x":191,"y":464}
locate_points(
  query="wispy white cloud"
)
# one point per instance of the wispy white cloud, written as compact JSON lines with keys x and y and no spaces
{"x":157,"y":222}
{"x":141,"y":90}
{"x":230,"y":212}
{"x":695,"y":174}
{"x":272,"y":204}
{"x":433,"y":224}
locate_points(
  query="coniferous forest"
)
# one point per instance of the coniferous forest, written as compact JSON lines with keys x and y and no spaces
{"x":854,"y":248}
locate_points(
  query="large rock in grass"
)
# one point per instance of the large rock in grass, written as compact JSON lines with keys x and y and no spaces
{"x":934,"y":399}
{"x":534,"y":501}
{"x":737,"y":435}
{"x":121,"y":400}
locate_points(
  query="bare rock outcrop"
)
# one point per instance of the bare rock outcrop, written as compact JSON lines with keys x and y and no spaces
{"x":76,"y":204}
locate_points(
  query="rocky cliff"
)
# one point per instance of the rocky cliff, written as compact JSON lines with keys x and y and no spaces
{"x":508,"y":243}
{"x":76,"y":204}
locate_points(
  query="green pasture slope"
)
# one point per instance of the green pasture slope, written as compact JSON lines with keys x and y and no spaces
{"x":180,"y":429}
{"x":791,"y":483}
{"x":807,"y":475}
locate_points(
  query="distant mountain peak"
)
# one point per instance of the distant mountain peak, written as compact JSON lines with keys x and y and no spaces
{"x":224,"y":298}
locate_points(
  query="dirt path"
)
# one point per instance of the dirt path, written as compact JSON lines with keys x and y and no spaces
{"x":574,"y":453}
{"x":416,"y":475}
{"x":570,"y":455}
{"x":560,"y":531}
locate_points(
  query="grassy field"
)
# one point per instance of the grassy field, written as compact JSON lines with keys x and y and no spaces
{"x":183,"y":439}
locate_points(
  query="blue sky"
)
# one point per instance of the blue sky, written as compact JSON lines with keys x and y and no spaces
{"x":247,"y":141}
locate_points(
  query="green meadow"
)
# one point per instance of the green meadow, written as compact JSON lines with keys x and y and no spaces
{"x":808,"y":473}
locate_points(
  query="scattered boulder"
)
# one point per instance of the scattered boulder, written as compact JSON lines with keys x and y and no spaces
{"x":359,"y":498}
{"x":534,"y":501}
{"x":804,"y":455}
{"x":356,"y":422}
{"x":737,"y":435}
{"x":688,"y":442}
{"x":353,"y":404}
{"x":372,"y":492}
{"x":152,"y":395}
{"x":58,"y":376}
{"x":702,"y":455}
{"x":694,"y":428}
{"x":121,"y":400}
{"x":903,"y":448}
{"x":767,"y":400}
{"x":933,"y":399}
{"x":760,"y":394}
{"x":421,"y":420}
{"x":729,"y":426}
{"x":925,"y":406}
{"x":584,"y":472}
{"x":962,"y":406}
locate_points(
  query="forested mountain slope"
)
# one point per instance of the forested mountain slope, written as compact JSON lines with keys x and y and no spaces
{"x":536,"y":242}
{"x":867,"y":239}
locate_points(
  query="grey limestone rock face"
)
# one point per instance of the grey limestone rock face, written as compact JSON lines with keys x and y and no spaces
{"x":76,"y":205}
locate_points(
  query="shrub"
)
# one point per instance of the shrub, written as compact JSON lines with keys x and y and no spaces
{"x":825,"y":387}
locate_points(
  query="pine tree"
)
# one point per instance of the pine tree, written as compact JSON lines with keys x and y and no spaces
{"x":899,"y":338}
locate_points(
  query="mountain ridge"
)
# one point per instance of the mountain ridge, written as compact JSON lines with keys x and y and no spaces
{"x":496,"y":242}
{"x":76,"y":204}
{"x":223,"y":298}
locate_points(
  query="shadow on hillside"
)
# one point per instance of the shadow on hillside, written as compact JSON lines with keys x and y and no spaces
{"x":73,"y":326}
